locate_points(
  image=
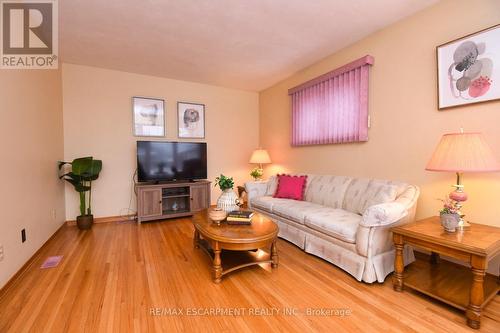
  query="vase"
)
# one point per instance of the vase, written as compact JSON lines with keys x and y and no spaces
{"x":450,"y":222}
{"x":228,"y":201}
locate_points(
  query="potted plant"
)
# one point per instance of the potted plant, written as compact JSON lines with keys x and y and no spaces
{"x":257,"y":173}
{"x":449,"y":215}
{"x":83,"y":172}
{"x":228,"y":200}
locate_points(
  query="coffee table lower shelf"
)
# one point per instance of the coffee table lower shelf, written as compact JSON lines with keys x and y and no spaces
{"x":446,"y":281}
{"x":234,"y":260}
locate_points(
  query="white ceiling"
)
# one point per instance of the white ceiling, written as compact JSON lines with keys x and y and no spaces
{"x":247,"y":44}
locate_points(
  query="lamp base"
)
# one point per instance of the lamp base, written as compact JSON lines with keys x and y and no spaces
{"x":463,"y":225}
{"x":459,"y":196}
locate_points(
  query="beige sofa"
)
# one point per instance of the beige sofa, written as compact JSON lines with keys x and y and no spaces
{"x":343,"y":220}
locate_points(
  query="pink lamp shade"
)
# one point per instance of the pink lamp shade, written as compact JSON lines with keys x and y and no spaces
{"x":463,"y":152}
{"x":260,"y":156}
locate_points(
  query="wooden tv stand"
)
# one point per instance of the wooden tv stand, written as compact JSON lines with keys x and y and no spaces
{"x":169,"y":200}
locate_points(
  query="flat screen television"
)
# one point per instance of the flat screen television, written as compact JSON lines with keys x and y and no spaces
{"x":171,"y":161}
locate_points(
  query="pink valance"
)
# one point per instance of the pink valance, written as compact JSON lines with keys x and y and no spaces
{"x":332,"y":108}
{"x":366,"y":60}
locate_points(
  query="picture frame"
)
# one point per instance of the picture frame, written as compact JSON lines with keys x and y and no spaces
{"x":468,"y":69}
{"x":148,"y":116}
{"x":191,"y":120}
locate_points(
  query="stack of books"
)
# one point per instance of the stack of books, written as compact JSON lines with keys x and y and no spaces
{"x":239,"y":217}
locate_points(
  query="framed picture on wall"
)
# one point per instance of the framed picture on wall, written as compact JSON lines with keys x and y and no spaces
{"x":191,"y":120}
{"x":469,"y":69}
{"x":149,"y":116}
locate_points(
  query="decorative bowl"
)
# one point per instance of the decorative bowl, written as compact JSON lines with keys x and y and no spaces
{"x":450,"y":222}
{"x":217,"y":215}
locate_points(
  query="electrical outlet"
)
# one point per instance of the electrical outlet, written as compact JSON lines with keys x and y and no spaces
{"x":23,"y":235}
{"x":1,"y":252}
{"x":54,"y":214}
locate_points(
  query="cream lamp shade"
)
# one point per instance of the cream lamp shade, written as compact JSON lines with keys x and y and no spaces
{"x":463,"y":152}
{"x":260,"y":156}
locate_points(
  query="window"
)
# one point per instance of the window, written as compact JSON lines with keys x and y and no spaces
{"x":332,"y":108}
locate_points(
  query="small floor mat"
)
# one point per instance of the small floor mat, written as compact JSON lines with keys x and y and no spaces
{"x":51,"y":262}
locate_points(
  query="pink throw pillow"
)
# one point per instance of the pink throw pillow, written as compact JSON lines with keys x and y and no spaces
{"x":291,"y":187}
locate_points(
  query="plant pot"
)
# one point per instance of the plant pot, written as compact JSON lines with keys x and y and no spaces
{"x":84,"y":222}
{"x":228,"y":201}
{"x":450,"y":222}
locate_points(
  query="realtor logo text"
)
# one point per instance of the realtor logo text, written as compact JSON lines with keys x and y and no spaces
{"x":29,"y":34}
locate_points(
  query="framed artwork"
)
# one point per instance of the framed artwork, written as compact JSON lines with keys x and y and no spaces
{"x":191,"y":120}
{"x":469,"y":69}
{"x":149,"y":116}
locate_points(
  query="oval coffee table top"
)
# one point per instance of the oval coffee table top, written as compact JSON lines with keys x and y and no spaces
{"x":262,"y":228}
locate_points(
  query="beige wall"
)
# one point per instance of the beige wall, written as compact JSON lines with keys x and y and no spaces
{"x":98,"y":122}
{"x":31,"y":139}
{"x":406,"y":125}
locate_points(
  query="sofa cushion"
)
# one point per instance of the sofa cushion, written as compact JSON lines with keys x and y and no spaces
{"x":272,"y":184}
{"x":296,"y":210}
{"x":337,"y":223}
{"x":266,"y":203}
{"x":327,"y":190}
{"x":363,"y":193}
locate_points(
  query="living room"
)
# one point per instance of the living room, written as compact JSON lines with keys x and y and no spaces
{"x":235,"y":69}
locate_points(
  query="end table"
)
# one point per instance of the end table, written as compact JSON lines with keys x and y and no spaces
{"x":448,"y":282}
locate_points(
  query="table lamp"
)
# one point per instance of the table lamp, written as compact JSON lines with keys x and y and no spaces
{"x":260,"y":156}
{"x":462,"y":153}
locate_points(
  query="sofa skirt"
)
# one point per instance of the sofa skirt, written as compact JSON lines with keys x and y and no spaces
{"x":340,"y":253}
{"x":361,"y":268}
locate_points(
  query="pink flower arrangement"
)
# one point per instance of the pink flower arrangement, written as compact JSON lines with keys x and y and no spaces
{"x":449,"y":206}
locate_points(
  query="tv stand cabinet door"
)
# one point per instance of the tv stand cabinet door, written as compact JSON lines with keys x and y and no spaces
{"x":150,"y":203}
{"x":200,"y":197}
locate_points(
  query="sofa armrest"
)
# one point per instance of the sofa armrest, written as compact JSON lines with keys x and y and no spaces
{"x":255,"y":190}
{"x":372,"y":240}
{"x":383,"y":214}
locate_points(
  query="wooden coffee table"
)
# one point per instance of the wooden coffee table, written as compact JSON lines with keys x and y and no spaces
{"x":232,"y":247}
{"x":468,"y":289}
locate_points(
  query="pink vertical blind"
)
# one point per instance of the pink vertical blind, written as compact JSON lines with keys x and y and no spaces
{"x":332,"y":108}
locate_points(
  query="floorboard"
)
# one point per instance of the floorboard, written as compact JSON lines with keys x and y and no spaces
{"x":123,"y":277}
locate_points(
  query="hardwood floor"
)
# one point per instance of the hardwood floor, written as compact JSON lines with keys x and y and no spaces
{"x":121,"y":277}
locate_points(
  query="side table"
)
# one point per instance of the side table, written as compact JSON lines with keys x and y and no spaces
{"x":448,"y":282}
